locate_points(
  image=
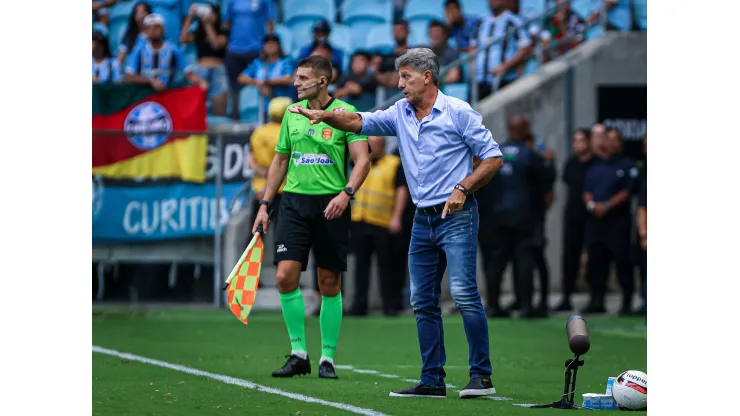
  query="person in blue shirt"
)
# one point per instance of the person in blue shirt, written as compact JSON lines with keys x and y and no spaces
{"x":156,"y":61}
{"x":498,"y":65}
{"x":210,"y":40}
{"x":105,"y":69}
{"x":439,"y":137}
{"x":609,"y":184}
{"x":272,"y":72}
{"x":321,"y":32}
{"x":463,"y":29}
{"x":248,"y":22}
{"x":135,"y":30}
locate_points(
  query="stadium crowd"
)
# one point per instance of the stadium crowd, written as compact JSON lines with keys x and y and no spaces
{"x":240,"y":50}
{"x":244,"y":51}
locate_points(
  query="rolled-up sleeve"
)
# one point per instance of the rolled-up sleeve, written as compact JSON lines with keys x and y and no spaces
{"x":476,"y":135}
{"x":379,"y":123}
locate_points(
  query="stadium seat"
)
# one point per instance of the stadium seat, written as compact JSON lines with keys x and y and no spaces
{"x":529,"y":9}
{"x":378,"y":11}
{"x":426,"y":10}
{"x":286,"y":38}
{"x":359,"y":30}
{"x":121,"y":11}
{"x":115,"y":35}
{"x":341,"y":38}
{"x":419,"y":33}
{"x":380,"y":39}
{"x":299,"y":11}
{"x":99,"y":27}
{"x":639,"y":8}
{"x":458,"y":90}
{"x":249,"y":104}
{"x":475,"y":8}
{"x":302,"y":36}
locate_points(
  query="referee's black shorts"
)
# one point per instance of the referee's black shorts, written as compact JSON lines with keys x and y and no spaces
{"x":301,"y":226}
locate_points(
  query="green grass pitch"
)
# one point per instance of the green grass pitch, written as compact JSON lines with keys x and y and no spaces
{"x":527,"y":357}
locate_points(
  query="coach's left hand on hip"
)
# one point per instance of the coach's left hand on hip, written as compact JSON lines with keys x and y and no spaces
{"x":454,"y":203}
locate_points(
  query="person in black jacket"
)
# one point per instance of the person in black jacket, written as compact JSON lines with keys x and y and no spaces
{"x":574,"y":176}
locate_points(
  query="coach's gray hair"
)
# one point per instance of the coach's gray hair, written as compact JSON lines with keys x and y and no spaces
{"x":421,"y":60}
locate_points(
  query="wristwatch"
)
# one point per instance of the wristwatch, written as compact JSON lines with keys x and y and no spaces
{"x":462,"y":189}
{"x":263,"y":202}
{"x":349,"y":191}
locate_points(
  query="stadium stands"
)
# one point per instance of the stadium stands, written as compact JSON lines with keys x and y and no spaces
{"x":364,"y":25}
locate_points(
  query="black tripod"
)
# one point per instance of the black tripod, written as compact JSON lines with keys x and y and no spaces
{"x":566,"y":401}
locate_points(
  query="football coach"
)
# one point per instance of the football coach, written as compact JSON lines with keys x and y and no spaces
{"x":439,"y":137}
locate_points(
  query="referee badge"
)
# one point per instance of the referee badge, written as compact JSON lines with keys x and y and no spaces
{"x":326,"y":134}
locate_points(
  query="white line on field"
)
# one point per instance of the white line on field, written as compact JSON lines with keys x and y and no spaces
{"x":237,"y":382}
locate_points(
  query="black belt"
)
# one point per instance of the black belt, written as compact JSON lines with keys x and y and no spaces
{"x":437,"y":209}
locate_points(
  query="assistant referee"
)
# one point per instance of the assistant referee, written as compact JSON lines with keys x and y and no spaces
{"x":313,"y":212}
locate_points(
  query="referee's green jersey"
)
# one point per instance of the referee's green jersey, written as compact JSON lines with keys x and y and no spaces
{"x":319,"y":157}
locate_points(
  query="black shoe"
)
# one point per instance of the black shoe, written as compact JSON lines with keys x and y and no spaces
{"x":565,"y":306}
{"x":326,"y":370}
{"x":477,"y":387}
{"x":421,"y":390}
{"x":295,"y":366}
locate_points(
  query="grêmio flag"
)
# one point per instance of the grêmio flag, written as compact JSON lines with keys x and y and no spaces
{"x":149,"y":146}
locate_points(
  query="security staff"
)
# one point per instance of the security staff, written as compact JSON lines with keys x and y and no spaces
{"x":374,"y":210}
{"x":509,"y":226}
{"x":609,"y":183}
{"x":541,"y":203}
{"x":574,"y":176}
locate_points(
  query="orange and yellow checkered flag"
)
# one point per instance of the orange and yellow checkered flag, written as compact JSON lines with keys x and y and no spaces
{"x":241,"y":285}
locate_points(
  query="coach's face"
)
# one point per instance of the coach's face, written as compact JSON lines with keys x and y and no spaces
{"x":413,"y":84}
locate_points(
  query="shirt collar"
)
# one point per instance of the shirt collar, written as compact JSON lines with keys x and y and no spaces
{"x":439,"y":103}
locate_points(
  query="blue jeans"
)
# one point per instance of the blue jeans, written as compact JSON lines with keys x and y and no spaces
{"x":438,"y":244}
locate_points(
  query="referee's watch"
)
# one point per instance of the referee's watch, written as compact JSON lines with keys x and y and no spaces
{"x":349,"y":191}
{"x":263,"y":202}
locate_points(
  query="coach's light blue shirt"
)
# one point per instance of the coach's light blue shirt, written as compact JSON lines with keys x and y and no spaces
{"x":437,"y":153}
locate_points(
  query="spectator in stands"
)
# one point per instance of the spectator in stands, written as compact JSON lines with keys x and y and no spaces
{"x":104,"y":68}
{"x":566,"y":27}
{"x":642,"y":229}
{"x":321,"y":32}
{"x":248,"y":21}
{"x":210,"y":40}
{"x":398,"y":6}
{"x":172,"y":11}
{"x":323,"y":48}
{"x":385,"y":65}
{"x":272,"y":71}
{"x":135,"y":31}
{"x":439,"y":35}
{"x":497,"y":66}
{"x":155,"y":61}
{"x":462,"y":29}
{"x":358,"y":86}
{"x":100,"y":10}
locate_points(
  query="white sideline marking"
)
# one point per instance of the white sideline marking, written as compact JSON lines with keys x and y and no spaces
{"x":237,"y":382}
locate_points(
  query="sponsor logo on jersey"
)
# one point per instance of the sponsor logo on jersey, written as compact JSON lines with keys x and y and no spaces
{"x":338,"y":110}
{"x":326,"y":134}
{"x":311,"y":159}
{"x":310,"y":132}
